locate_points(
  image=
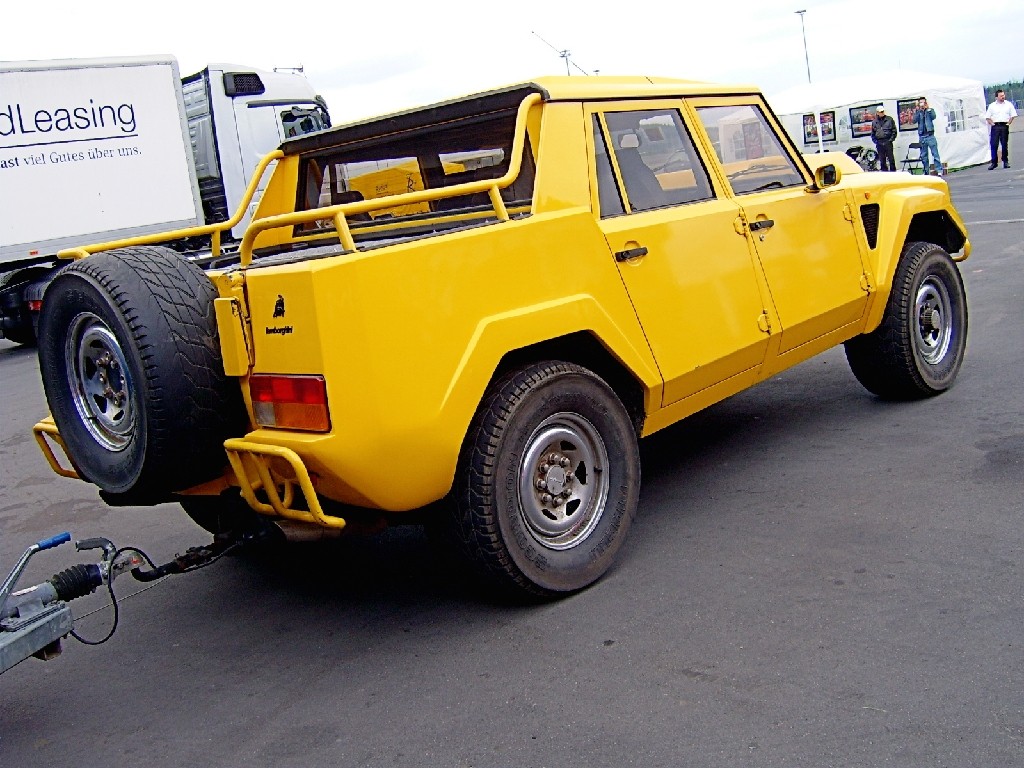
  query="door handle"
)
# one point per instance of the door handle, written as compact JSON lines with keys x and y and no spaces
{"x":761,"y":224}
{"x":631,"y":253}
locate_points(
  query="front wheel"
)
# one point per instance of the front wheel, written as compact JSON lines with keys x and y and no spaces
{"x":549,"y":480}
{"x":919,"y":346}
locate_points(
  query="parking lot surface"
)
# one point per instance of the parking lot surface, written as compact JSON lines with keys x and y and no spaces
{"x":815,"y":578}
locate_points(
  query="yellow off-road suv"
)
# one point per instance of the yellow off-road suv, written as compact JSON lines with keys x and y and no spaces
{"x":486,"y":302}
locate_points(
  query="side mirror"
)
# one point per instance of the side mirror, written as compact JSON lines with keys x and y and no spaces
{"x":827,"y":176}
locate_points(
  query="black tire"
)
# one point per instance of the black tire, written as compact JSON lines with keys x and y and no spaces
{"x":130,"y":361}
{"x":519,"y":539}
{"x":870,"y":160}
{"x":14,"y":306}
{"x":918,"y":348}
{"x":24,"y":335}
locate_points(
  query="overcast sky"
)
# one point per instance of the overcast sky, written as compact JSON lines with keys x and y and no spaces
{"x":372,"y":57}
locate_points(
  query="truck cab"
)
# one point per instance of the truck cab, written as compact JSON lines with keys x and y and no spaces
{"x":235,"y":115}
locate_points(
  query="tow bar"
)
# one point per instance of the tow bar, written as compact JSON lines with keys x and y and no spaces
{"x":34,"y":620}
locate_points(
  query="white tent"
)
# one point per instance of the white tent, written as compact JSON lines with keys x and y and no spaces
{"x":844,"y":108}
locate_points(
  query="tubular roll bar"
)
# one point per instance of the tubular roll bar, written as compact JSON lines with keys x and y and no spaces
{"x":213,"y":230}
{"x":339,"y":212}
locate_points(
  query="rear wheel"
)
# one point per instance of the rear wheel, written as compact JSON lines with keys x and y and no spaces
{"x":17,"y":317}
{"x":130,"y":362}
{"x":919,"y":346}
{"x":549,"y":481}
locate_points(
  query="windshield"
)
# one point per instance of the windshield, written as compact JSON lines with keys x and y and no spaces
{"x":298,"y":121}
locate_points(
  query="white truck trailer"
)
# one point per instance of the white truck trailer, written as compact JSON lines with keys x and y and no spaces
{"x":96,"y":150}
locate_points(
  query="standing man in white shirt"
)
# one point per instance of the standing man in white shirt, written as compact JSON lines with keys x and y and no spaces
{"x":999,"y":115}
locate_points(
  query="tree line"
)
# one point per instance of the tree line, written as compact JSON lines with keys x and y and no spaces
{"x":1014,"y":91}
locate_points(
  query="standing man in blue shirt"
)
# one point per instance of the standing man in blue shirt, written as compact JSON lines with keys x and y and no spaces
{"x":924,"y":116}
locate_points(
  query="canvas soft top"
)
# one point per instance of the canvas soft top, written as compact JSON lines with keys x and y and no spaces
{"x":562,"y":88}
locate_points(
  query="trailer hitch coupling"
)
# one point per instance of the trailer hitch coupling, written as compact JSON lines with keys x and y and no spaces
{"x":34,"y":620}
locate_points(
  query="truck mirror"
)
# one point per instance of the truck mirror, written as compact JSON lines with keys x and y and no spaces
{"x":827,"y":176}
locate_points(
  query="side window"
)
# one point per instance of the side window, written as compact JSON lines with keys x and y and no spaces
{"x":955,"y":120}
{"x":607,"y":190}
{"x":751,"y":154}
{"x":656,"y":159}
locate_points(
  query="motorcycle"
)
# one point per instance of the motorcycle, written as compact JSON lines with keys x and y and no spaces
{"x":864,"y":157}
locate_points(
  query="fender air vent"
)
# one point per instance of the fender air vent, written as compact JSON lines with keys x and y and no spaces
{"x":869,"y":215}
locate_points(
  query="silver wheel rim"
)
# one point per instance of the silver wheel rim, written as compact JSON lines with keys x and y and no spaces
{"x":934,"y":326}
{"x":100,"y":383}
{"x":563,"y":481}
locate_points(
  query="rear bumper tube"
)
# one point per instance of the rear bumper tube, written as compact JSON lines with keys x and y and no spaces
{"x":257,"y":466}
{"x":276,"y":471}
{"x":45,"y":431}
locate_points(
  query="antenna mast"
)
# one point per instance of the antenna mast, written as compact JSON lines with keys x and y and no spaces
{"x":564,"y":54}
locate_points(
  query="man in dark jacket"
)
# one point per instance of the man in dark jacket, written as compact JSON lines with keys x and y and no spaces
{"x":883,"y":133}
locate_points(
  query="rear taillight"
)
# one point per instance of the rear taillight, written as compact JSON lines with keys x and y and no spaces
{"x":290,"y":402}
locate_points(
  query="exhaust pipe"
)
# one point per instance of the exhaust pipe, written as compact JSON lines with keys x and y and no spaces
{"x":297,"y":531}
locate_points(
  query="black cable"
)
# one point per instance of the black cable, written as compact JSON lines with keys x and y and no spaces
{"x":113,"y":597}
{"x":110,"y":634}
{"x":152,"y":566}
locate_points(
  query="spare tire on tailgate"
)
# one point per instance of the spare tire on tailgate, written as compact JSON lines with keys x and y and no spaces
{"x":131,"y":366}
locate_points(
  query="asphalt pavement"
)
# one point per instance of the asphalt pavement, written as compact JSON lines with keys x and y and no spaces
{"x":815,"y":578}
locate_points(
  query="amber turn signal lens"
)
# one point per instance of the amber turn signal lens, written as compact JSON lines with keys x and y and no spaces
{"x":290,"y":402}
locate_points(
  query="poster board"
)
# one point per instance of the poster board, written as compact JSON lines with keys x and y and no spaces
{"x":861,"y":119}
{"x":905,"y":109}
{"x":827,"y":120}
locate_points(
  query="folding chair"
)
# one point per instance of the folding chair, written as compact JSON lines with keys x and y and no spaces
{"x":912,"y":161}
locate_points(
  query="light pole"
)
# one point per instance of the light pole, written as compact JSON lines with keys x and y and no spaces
{"x":807,"y":59}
